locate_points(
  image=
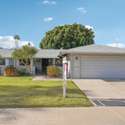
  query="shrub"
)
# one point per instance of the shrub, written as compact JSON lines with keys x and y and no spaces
{"x":22,"y":72}
{"x":10,"y":71}
{"x":53,"y":71}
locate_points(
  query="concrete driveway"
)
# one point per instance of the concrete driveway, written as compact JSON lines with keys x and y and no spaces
{"x":103,"y":92}
{"x":63,"y":116}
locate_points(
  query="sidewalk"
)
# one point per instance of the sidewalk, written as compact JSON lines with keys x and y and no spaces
{"x":63,"y":116}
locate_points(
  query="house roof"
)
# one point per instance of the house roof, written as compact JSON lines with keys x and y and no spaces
{"x":42,"y":53}
{"x":6,"y":53}
{"x":94,"y":49}
{"x":54,"y":53}
{"x":47,"y":53}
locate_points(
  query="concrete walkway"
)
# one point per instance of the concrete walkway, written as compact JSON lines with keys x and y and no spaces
{"x":103,"y":92}
{"x":63,"y":116}
{"x":45,"y":78}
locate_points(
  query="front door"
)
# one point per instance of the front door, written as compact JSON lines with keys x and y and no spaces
{"x":45,"y":63}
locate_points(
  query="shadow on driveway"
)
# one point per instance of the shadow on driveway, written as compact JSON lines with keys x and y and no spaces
{"x":109,"y":102}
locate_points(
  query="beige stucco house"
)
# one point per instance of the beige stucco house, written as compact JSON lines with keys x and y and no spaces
{"x":93,"y":61}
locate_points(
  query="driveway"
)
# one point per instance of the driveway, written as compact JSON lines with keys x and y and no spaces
{"x":63,"y":116}
{"x":103,"y":92}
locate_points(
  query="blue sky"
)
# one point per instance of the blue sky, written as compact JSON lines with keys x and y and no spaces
{"x":32,"y":18}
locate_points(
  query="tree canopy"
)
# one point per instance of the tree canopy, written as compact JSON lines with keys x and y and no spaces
{"x":67,"y":36}
{"x":25,"y":53}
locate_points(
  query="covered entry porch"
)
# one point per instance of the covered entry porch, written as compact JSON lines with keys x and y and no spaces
{"x":41,"y":65}
{"x":45,"y":58}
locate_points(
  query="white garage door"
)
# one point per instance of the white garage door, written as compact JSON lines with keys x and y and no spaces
{"x":101,"y":67}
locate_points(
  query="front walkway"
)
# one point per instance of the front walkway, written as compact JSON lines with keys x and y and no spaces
{"x":103,"y":92}
{"x":44,"y":77}
{"x":63,"y":116}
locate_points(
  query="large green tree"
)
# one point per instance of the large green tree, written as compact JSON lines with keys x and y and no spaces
{"x":68,"y":36}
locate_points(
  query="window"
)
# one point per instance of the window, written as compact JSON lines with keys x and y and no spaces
{"x":2,"y":61}
{"x":11,"y":62}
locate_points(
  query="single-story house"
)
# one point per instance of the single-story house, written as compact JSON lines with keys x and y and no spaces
{"x":39,"y":63}
{"x":92,"y":61}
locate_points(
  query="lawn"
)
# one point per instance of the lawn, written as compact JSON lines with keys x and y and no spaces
{"x":23,"y":92}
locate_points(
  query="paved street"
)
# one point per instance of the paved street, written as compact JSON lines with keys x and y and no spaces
{"x":63,"y":116}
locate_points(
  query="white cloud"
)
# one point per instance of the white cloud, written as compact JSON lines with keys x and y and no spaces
{"x":48,"y":2}
{"x":82,"y":10}
{"x":48,"y":19}
{"x":45,"y":2}
{"x":89,"y":27}
{"x":117,"y":44}
{"x":22,"y":43}
{"x":9,"y":42}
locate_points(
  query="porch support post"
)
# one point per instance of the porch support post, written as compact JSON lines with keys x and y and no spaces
{"x":32,"y":67}
{"x":54,"y":61}
{"x":6,"y":62}
{"x":41,"y":61}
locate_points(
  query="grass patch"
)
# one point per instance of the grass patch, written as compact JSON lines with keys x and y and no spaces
{"x":22,"y":92}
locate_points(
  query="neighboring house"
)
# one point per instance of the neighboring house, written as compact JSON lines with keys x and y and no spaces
{"x":93,"y":61}
{"x":96,"y":61}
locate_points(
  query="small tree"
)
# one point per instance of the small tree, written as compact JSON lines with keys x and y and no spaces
{"x":25,"y":54}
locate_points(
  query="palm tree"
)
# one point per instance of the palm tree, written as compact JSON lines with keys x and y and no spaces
{"x":16,"y":38}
